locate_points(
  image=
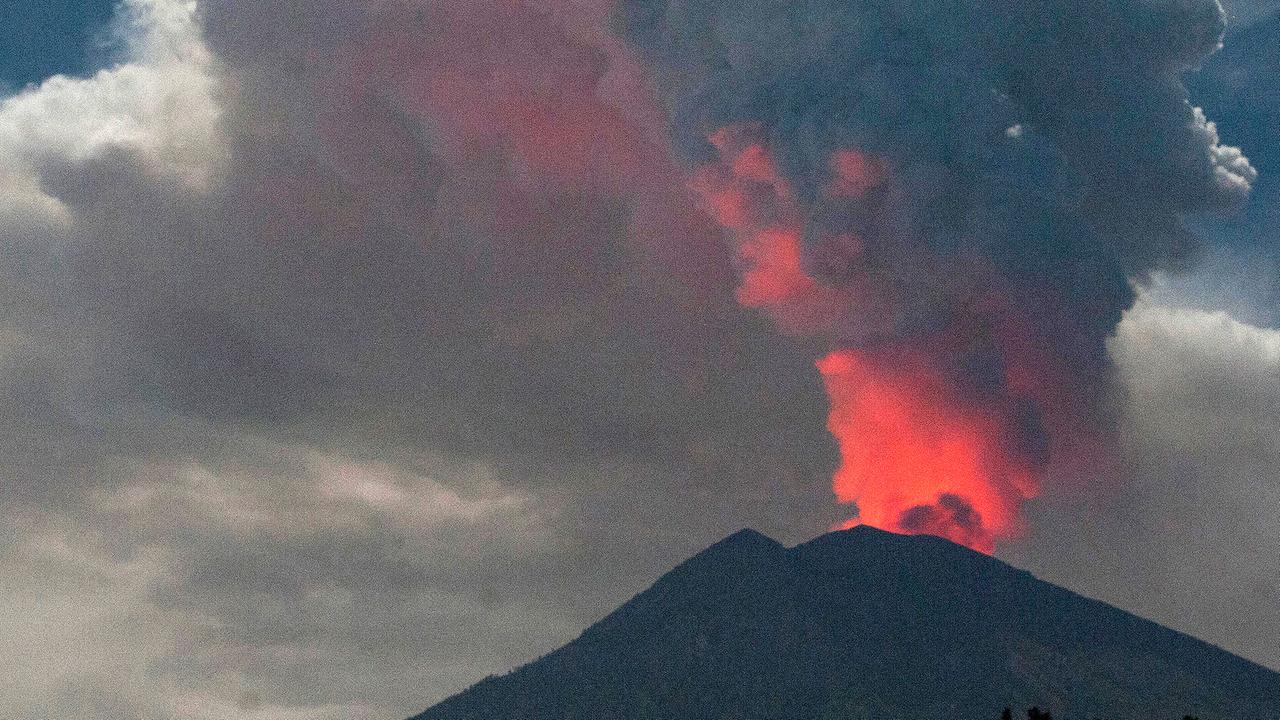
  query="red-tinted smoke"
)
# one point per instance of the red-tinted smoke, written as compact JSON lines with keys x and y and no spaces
{"x":918,"y":454}
{"x":538,"y":100}
{"x":916,"y":461}
{"x":543,"y":88}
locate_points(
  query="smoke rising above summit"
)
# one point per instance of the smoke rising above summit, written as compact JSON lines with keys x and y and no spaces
{"x":353,"y":351}
{"x":958,"y":198}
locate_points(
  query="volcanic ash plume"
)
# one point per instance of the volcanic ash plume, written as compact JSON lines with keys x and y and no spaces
{"x":956,"y":196}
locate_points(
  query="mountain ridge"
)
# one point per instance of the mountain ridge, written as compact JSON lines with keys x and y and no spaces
{"x":862,"y":624}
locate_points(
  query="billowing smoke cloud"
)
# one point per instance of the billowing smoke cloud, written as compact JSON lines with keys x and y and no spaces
{"x":327,"y":392}
{"x":352,"y":351}
{"x":957,"y":197}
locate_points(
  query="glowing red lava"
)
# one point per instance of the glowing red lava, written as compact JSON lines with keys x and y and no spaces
{"x":914,"y":458}
{"x":914,"y":461}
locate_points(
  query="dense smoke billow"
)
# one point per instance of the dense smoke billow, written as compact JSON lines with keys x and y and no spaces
{"x":352,"y":351}
{"x":971,"y":190}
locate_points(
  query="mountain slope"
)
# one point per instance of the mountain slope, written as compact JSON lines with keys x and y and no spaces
{"x":867,"y":624}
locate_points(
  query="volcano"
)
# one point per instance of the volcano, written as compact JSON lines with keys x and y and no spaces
{"x":864,"y":624}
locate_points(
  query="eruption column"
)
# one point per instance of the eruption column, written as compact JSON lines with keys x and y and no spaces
{"x":913,"y":458}
{"x":958,"y":198}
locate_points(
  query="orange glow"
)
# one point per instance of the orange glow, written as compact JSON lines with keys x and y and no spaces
{"x":913,"y":458}
{"x":855,"y":173}
{"x":914,"y":461}
{"x":747,"y":196}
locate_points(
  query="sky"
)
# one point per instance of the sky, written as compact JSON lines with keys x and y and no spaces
{"x":353,"y":351}
{"x":41,"y":39}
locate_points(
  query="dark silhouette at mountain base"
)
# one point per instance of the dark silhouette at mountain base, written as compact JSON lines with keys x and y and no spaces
{"x":868,"y":625}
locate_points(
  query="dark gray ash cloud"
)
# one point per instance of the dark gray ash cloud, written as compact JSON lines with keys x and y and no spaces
{"x":1045,"y":154}
{"x":323,"y":394}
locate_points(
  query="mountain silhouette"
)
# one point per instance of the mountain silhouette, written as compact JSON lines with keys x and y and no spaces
{"x":868,"y":625}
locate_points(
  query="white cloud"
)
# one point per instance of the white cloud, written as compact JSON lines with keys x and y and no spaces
{"x":1201,"y":381}
{"x":1201,"y":431}
{"x":1231,"y":169}
{"x":1184,"y":530}
{"x":77,"y":631}
{"x":417,"y":496}
{"x":271,"y":582}
{"x":159,"y":106}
